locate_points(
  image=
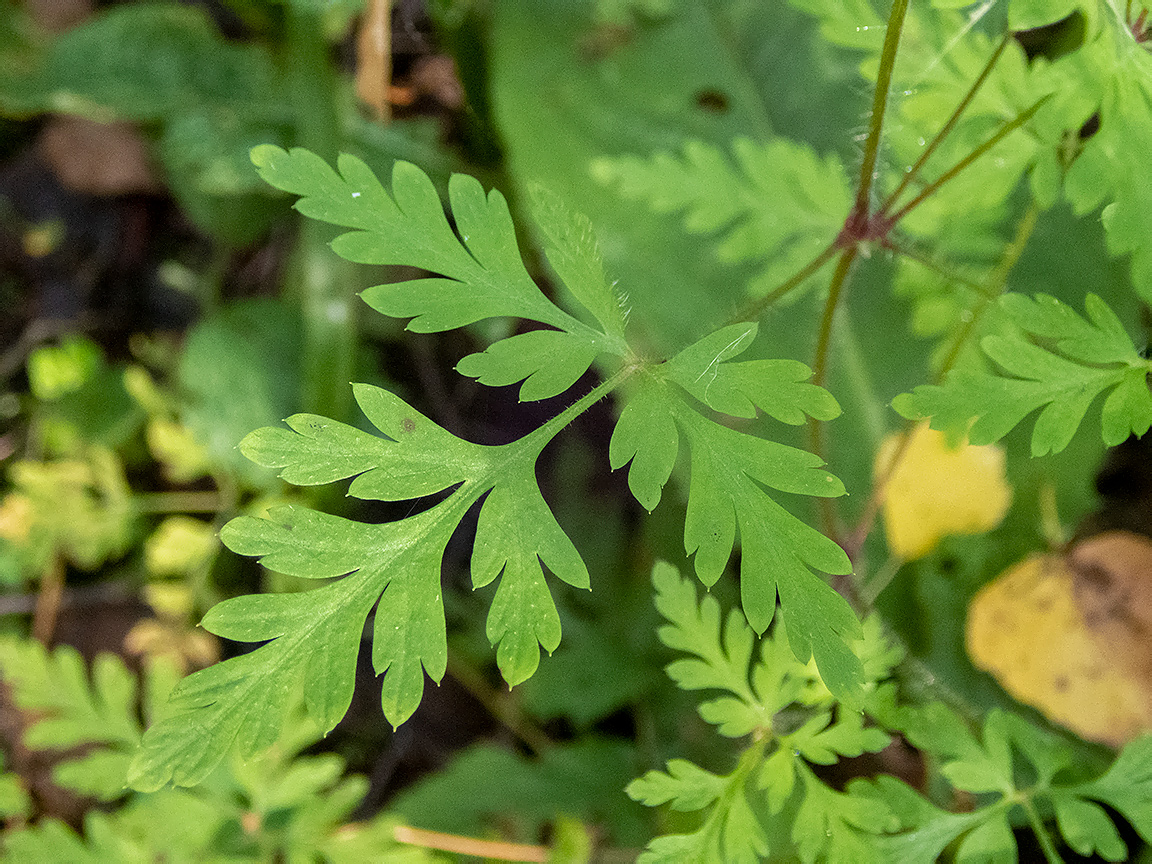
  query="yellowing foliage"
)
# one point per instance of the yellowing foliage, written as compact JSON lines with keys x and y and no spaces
{"x":936,"y":490}
{"x":1067,"y":635}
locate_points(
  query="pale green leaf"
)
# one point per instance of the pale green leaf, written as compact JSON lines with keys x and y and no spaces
{"x":991,"y":841}
{"x":686,"y":786}
{"x":779,"y":205}
{"x":572,"y":251}
{"x":479,"y":270}
{"x":1087,"y":828}
{"x":1127,"y":785}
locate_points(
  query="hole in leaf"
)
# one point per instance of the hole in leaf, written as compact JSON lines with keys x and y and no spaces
{"x":1054,"y":40}
{"x":1091,"y":127}
{"x":712,"y":101}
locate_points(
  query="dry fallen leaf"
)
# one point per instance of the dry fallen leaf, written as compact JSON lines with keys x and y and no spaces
{"x":97,"y":158}
{"x":936,"y":491}
{"x":1069,"y":635}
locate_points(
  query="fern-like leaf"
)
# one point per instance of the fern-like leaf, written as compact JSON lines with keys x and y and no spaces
{"x":74,"y":709}
{"x":729,"y":470}
{"x":313,"y":637}
{"x":480,"y":272}
{"x":1077,"y":360}
{"x":746,"y":202}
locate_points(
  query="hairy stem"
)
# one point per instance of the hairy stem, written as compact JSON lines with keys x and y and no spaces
{"x":879,"y":104}
{"x":551,"y":428}
{"x":820,"y":373}
{"x":1001,"y":133}
{"x":755,"y":309}
{"x":948,"y":126}
{"x":848,"y":241}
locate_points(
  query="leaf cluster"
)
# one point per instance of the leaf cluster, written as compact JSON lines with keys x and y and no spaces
{"x":314,"y":636}
{"x":773,"y":803}
{"x":779,"y":207}
{"x":282,"y":804}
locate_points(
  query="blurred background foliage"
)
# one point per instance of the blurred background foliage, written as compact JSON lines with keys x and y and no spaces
{"x":158,"y":302}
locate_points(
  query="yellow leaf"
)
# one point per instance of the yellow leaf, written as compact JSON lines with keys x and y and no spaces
{"x":1067,"y":634}
{"x":936,"y":490}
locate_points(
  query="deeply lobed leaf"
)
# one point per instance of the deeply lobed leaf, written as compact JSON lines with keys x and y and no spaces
{"x":1088,"y":358}
{"x":728,"y":472}
{"x":315,"y":636}
{"x":480,"y":272}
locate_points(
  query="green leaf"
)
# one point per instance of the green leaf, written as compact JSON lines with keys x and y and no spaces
{"x":550,"y":360}
{"x":685,"y":785}
{"x":1127,"y":786}
{"x":836,"y":825}
{"x":313,"y":637}
{"x":480,"y":272}
{"x":152,"y":61}
{"x":846,"y":737}
{"x":1027,"y":14}
{"x":728,"y":472}
{"x":572,"y":251}
{"x":1088,"y":358}
{"x":747,"y":202}
{"x":777,"y":549}
{"x":15,"y":802}
{"x":73,"y":710}
{"x":1114,"y":76}
{"x":487,"y":784}
{"x":646,"y":436}
{"x":932,"y":828}
{"x":776,"y":387}
{"x":239,"y":369}
{"x":1087,"y":828}
{"x":991,"y":841}
{"x":731,"y":831}
{"x":695,"y":629}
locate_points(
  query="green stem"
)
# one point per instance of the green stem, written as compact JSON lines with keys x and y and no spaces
{"x":756,"y":308}
{"x":990,"y":289}
{"x":914,"y":172}
{"x":749,"y":761}
{"x":846,"y":242}
{"x":551,"y":428}
{"x":820,"y":372}
{"x":1000,"y":134}
{"x":319,"y":282}
{"x":1051,"y":855}
{"x":879,"y":105}
{"x":994,"y":285}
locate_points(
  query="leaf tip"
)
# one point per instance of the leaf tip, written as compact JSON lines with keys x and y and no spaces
{"x":263,"y":154}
